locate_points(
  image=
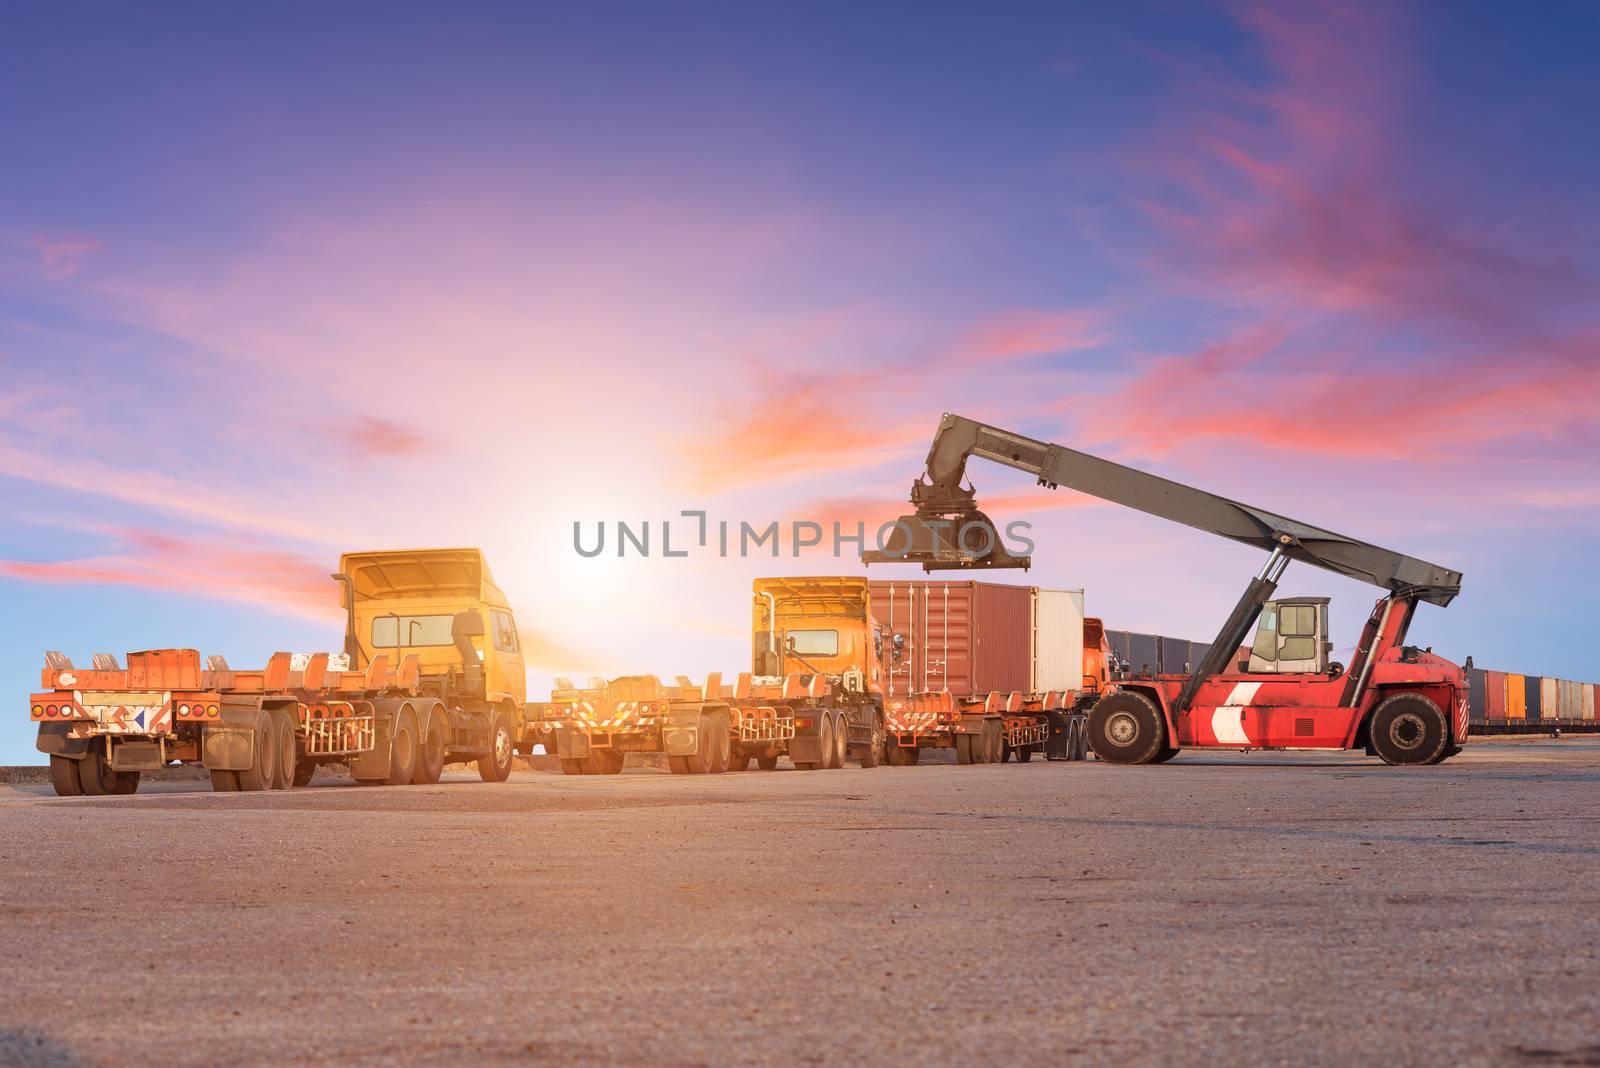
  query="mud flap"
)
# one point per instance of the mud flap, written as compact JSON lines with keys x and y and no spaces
{"x":572,"y":745}
{"x":55,"y":740}
{"x":806,"y":749}
{"x":143,"y":754}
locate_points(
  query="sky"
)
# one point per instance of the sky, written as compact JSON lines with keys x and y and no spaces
{"x":278,"y":281}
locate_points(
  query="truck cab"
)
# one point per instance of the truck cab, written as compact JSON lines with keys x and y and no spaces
{"x":441,"y":605}
{"x":819,"y":626}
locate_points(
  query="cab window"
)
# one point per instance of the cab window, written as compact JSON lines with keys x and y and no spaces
{"x":404,"y":632}
{"x":813,"y":642}
{"x":505,"y":632}
{"x":1266,"y":644}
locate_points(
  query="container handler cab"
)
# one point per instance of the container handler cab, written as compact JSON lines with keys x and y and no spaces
{"x":431,"y":673}
{"x":814,"y":693}
{"x":1402,"y":703}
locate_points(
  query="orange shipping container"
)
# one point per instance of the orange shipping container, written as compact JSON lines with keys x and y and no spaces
{"x":1516,"y":696}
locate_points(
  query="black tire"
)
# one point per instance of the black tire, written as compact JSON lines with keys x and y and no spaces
{"x":224,"y":782}
{"x":1408,"y":729}
{"x":1166,"y":754}
{"x":495,"y":765}
{"x":678,"y":765}
{"x":1126,"y":728}
{"x":430,"y":753}
{"x":1024,"y":753}
{"x":304,"y":772}
{"x":824,"y":745}
{"x":288,"y":754}
{"x":95,"y":775}
{"x":126,"y":782}
{"x":64,"y":777}
{"x":1005,"y":751}
{"x":263,"y":768}
{"x":767,"y":763}
{"x":403,"y":749}
{"x":872,"y":755}
{"x":571,"y":767}
{"x":899,"y":756}
{"x":740,"y":761}
{"x":611,"y":762}
{"x":969,"y":748}
{"x":721,"y":744}
{"x":841,"y":740}
{"x":700,"y":761}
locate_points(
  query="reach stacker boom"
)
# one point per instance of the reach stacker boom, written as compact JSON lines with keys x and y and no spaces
{"x":1402,"y":703}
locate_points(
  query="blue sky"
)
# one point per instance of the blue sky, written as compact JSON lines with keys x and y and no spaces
{"x":277,"y":282}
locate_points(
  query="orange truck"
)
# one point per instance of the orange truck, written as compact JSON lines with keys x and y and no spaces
{"x":431,"y":673}
{"x":992,"y":671}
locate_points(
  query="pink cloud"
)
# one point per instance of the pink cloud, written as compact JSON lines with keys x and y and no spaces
{"x":374,"y":438}
{"x":1032,"y":332}
{"x":62,"y":254}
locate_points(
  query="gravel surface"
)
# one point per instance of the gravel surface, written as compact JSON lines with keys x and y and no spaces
{"x":1263,"y":909}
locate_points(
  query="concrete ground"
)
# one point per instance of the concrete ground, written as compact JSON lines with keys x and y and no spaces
{"x":1262,"y":909}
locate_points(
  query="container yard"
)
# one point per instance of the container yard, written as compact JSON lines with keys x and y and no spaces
{"x":686,"y":535}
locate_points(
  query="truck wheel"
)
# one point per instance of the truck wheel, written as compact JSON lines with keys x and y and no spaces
{"x":678,"y":765}
{"x":304,"y":772}
{"x":1024,"y":753}
{"x":64,"y":777}
{"x":224,"y":782}
{"x":1126,"y":728}
{"x":283,"y":735}
{"x":264,"y":756}
{"x":403,"y":750}
{"x":841,"y":741}
{"x":740,"y":761}
{"x":126,"y":782}
{"x":721,"y":744}
{"x":872,"y":755}
{"x":1407,"y":728}
{"x":572,"y":767}
{"x":495,"y":765}
{"x":767,"y":763}
{"x":611,"y":762}
{"x":824,"y":745}
{"x":430,"y":754}
{"x":995,"y":732}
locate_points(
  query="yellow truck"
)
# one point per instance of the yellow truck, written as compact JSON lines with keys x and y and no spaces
{"x":814,"y":694}
{"x":431,"y":673}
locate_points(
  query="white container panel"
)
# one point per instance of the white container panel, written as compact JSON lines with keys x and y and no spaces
{"x":1057,"y":640}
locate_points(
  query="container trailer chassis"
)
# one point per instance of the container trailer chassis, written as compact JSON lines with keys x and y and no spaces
{"x":986,"y":730}
{"x":713,"y":728}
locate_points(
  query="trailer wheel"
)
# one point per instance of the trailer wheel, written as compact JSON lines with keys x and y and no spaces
{"x":1408,"y":728}
{"x":430,"y":754}
{"x":767,"y":763}
{"x":678,"y":765}
{"x":700,"y":761}
{"x":304,"y":772}
{"x":64,"y":776}
{"x":403,"y":750}
{"x":740,"y":761}
{"x":283,"y":737}
{"x":224,"y":782}
{"x":1024,"y":753}
{"x":969,"y":749}
{"x":495,"y":765}
{"x":611,"y":762}
{"x":1125,"y":728}
{"x":572,"y":767}
{"x":996,"y":733}
{"x":264,"y":759}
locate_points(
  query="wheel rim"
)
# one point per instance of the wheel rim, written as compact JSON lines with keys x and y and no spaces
{"x":1408,"y":731}
{"x":1122,"y":729}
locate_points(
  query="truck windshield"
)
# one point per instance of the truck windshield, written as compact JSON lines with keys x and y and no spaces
{"x":814,"y":642}
{"x":389,"y":632}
